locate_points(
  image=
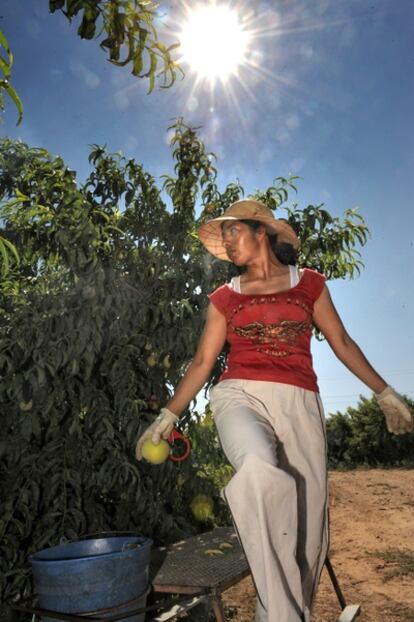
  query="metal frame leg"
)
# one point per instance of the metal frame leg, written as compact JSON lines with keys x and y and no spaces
{"x":218,"y":607}
{"x":335,"y":583}
{"x":349,"y":612}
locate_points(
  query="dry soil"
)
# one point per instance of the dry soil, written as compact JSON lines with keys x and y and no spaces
{"x":372,"y":518}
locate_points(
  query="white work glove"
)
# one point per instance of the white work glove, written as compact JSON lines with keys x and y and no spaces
{"x":161,"y":427}
{"x":398,"y":416}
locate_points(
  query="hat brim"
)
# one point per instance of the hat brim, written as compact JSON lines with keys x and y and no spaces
{"x":211,"y":235}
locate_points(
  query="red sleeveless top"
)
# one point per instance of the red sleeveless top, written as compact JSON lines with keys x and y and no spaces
{"x":269,"y":334}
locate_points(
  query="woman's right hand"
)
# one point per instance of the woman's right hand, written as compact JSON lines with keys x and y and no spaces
{"x":160,"y":428}
{"x":209,"y":347}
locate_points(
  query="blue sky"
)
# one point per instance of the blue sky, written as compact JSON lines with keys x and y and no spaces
{"x":332,"y":103}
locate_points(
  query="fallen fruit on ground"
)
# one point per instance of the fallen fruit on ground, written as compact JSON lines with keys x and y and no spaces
{"x":202,"y":507}
{"x":212,"y":552}
{"x":156,"y":454}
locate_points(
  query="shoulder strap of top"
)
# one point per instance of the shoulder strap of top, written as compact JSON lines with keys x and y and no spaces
{"x":294,"y":276}
{"x":235,"y":284}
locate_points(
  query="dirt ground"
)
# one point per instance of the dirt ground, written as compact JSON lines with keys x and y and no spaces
{"x":371,"y":516}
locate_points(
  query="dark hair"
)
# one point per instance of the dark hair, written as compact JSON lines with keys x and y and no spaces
{"x":284,"y":251}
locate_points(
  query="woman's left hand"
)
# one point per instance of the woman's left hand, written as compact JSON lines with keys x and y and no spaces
{"x":398,"y":416}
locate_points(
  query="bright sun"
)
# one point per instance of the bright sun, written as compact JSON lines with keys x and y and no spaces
{"x":213,"y":42}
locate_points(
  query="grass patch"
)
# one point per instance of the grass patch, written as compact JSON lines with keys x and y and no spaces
{"x":398,"y":563}
{"x":408,"y":615}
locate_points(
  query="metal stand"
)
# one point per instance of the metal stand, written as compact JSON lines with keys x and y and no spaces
{"x":349,"y":612}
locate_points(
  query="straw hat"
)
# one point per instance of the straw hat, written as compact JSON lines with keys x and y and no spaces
{"x":210,"y":232}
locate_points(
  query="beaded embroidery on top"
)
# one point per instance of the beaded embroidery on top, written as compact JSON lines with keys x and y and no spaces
{"x":270,"y":337}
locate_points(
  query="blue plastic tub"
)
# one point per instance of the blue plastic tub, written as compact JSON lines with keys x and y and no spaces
{"x":100,"y":576}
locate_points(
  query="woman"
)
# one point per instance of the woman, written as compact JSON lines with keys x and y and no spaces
{"x":266,"y":405}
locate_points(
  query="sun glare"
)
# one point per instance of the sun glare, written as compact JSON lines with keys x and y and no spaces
{"x":213,"y":42}
{"x":229,"y":47}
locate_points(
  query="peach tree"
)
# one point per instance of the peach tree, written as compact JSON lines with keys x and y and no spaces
{"x":127,"y":31}
{"x":102,"y":300}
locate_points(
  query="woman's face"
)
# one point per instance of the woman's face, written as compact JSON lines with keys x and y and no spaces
{"x":240,"y":241}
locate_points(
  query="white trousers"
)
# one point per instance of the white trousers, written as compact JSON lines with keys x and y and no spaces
{"x":273,"y":434}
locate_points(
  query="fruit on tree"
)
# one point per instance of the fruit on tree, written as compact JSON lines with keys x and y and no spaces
{"x":202,"y":507}
{"x":155,"y":454}
{"x":210,"y":207}
{"x":153,"y":403}
{"x":26,"y":405}
{"x":151,"y":360}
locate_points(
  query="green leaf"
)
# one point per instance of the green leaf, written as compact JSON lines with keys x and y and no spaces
{"x":17,"y":101}
{"x":152,"y":70}
{"x":55,"y":5}
{"x":5,"y":68}
{"x":4,"y":43}
{"x":87,"y":28}
{"x":5,"y":258}
{"x":138,"y":63}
